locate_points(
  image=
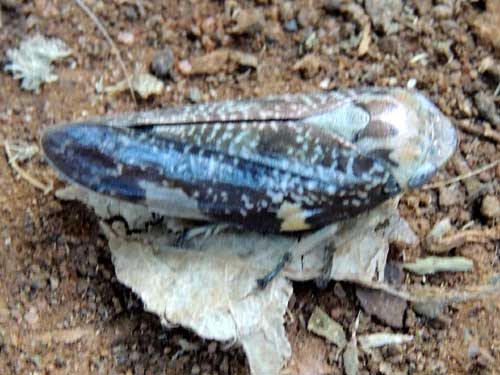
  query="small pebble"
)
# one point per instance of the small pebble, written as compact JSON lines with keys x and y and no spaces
{"x":162,"y":63}
{"x":487,"y":108}
{"x":291,"y":26}
{"x":307,"y":17}
{"x":383,"y":12}
{"x":247,"y":22}
{"x":450,"y":196}
{"x":185,"y":67}
{"x":339,"y":291}
{"x":31,"y":317}
{"x":442,"y":11}
{"x":195,"y":370}
{"x":350,"y":359}
{"x":131,"y":13}
{"x":324,"y":84}
{"x":126,"y":37}
{"x":321,"y":324}
{"x":195,"y":95}
{"x":490,"y":207}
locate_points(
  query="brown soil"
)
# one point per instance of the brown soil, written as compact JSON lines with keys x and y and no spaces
{"x":62,"y":310}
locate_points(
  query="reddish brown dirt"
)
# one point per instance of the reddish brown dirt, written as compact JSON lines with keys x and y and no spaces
{"x":62,"y":310}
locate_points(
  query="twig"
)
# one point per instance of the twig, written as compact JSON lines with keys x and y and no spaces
{"x":446,"y":243}
{"x":112,"y":44}
{"x":17,"y":152}
{"x":485,"y":131}
{"x":462,"y":177}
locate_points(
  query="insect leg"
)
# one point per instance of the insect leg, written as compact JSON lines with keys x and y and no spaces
{"x":263,"y":282}
{"x":323,"y":280}
{"x":203,"y":232}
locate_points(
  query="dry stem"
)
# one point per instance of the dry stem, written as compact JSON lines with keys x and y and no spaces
{"x":17,"y":152}
{"x":462,"y":177}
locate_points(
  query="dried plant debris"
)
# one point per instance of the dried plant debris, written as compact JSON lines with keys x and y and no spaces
{"x":144,"y":84}
{"x":444,"y":237}
{"x":321,"y":324}
{"x":376,"y":340}
{"x":18,"y":151}
{"x":31,"y":62}
{"x":210,"y":286}
{"x":431,"y":265}
{"x":214,"y":296}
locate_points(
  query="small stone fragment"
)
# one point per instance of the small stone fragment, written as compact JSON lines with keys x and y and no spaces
{"x":244,"y":59}
{"x":162,"y":63}
{"x":147,"y":85}
{"x":309,"y":43}
{"x":308,"y":17}
{"x":423,"y":6}
{"x":31,"y":317}
{"x":450,"y":196}
{"x":442,"y":11}
{"x":350,"y":358}
{"x":185,"y":67}
{"x":288,"y":11}
{"x":195,"y":95}
{"x":431,"y":265}
{"x":486,"y":24}
{"x":144,"y":84}
{"x":383,"y":13}
{"x":389,"y":309}
{"x":431,"y":310}
{"x":393,"y":274}
{"x":476,"y":353}
{"x":291,"y":26}
{"x":322,"y":325}
{"x":490,"y":207}
{"x":324,"y":84}
{"x":376,"y":340}
{"x":247,"y":22}
{"x":210,"y":63}
{"x":220,"y":60}
{"x":487,"y":108}
{"x":209,"y":25}
{"x":440,"y":239}
{"x":309,"y":65}
{"x":126,"y":37}
{"x":490,"y":66}
{"x":131,"y":12}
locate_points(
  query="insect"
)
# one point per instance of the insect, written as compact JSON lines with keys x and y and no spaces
{"x":277,"y":164}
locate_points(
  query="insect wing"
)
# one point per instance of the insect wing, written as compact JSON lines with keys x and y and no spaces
{"x":270,"y":182}
{"x":283,"y":107}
